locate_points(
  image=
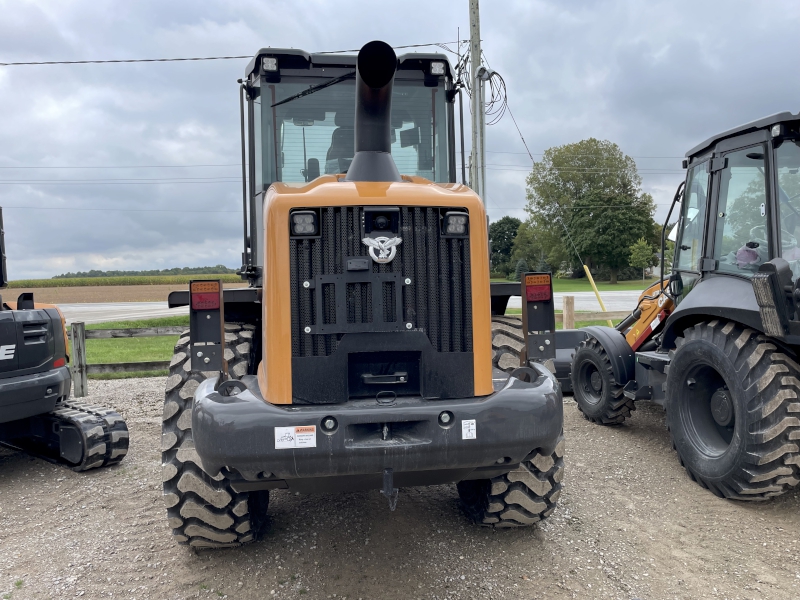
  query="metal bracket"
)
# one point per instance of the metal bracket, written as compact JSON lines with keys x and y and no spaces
{"x":389,"y":491}
{"x":707,"y":264}
{"x":718,"y":163}
{"x":339,"y":283}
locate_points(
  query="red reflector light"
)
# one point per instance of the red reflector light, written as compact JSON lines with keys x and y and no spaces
{"x":537,"y":293}
{"x":59,"y":362}
{"x":205,"y":301}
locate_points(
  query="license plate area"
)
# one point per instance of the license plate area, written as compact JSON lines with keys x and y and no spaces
{"x":371,"y":373}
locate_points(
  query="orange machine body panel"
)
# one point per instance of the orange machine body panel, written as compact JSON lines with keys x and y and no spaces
{"x":654,"y":313}
{"x":274,"y":372}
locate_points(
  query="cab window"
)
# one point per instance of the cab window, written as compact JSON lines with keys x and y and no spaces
{"x":787,"y":163}
{"x":740,"y":243}
{"x":689,"y":247}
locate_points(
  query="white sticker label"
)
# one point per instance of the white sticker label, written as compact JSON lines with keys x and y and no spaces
{"x":304,"y":436}
{"x":655,"y":323}
{"x":468,"y":430}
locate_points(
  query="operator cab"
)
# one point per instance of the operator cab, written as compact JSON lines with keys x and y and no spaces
{"x":301,"y":112}
{"x":741,"y":208}
{"x":743,"y":173}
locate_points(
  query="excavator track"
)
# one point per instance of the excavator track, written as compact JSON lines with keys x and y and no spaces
{"x":78,"y":435}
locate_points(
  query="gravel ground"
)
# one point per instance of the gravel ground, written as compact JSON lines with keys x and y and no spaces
{"x":630,"y":525}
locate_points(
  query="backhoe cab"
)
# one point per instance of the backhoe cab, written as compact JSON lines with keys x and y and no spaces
{"x":717,"y":343}
{"x":362,"y":355}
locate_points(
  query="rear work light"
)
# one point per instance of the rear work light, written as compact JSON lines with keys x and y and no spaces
{"x":537,"y":288}
{"x":437,"y":68}
{"x":455,"y":223}
{"x":304,"y":222}
{"x":205,"y":295}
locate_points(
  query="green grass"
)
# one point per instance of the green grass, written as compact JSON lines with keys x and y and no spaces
{"x":124,"y":350}
{"x":179,"y":321}
{"x":128,"y":280}
{"x":582,"y":285}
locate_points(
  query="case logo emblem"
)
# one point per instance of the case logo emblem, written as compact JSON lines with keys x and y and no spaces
{"x":7,"y":352}
{"x":382,"y":249}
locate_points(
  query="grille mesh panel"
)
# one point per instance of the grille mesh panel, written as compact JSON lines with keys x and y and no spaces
{"x":438,"y":301}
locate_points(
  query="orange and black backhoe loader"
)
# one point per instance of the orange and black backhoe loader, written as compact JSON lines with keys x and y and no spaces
{"x":717,"y":342}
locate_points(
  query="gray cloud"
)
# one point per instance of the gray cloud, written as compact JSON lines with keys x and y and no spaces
{"x":654,"y":77}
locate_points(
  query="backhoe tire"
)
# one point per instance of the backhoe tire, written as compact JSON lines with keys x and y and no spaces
{"x":519,"y":498}
{"x":733,"y":411}
{"x":595,"y":388}
{"x":202,"y":508}
{"x":508,"y":343}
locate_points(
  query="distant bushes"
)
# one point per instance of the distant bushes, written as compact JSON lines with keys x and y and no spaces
{"x":126,"y":280}
{"x":218,"y":269}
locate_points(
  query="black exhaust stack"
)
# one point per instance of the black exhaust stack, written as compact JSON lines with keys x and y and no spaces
{"x":375,"y":70}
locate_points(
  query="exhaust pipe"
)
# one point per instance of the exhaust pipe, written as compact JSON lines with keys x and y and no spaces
{"x":375,"y":71}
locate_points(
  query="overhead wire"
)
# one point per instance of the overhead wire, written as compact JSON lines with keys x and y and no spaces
{"x":442,"y":45}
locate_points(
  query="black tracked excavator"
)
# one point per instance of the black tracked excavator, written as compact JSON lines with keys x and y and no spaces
{"x":36,"y":413}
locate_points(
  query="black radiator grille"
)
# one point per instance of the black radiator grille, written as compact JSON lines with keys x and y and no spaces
{"x":438,"y":301}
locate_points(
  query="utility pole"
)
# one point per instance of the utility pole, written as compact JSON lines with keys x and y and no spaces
{"x":477,"y":75}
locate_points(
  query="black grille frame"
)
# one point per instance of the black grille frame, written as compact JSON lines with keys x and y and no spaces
{"x":438,"y":301}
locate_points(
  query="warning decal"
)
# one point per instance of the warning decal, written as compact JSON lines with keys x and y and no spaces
{"x":469,"y":430}
{"x":304,"y":436}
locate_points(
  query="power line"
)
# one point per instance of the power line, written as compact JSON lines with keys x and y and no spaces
{"x":128,"y":60}
{"x":221,"y":177}
{"x":197,"y":58}
{"x":124,"y":167}
{"x":572,"y":155}
{"x":187,"y":211}
{"x":112,"y":182}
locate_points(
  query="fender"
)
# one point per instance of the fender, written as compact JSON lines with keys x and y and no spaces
{"x":721,"y":296}
{"x":619,"y":351}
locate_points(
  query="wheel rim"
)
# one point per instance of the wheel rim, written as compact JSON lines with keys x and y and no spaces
{"x":591,"y":382}
{"x":707,"y":410}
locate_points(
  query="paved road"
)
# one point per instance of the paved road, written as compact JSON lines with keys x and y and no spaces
{"x":117,"y":311}
{"x":587,"y":301}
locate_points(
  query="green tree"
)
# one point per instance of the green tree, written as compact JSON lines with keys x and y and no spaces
{"x":501,"y":235}
{"x":538,"y":245}
{"x":641,"y":255}
{"x":604,"y":227}
{"x":591,"y":190}
{"x":521,"y":268}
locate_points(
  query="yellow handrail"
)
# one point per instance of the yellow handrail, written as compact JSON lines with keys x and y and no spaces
{"x":596,"y":292}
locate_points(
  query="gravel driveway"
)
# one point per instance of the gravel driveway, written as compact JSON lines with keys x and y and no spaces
{"x":630,"y":525}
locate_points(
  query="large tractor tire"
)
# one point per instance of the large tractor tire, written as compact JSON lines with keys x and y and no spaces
{"x":508,"y":343}
{"x":519,"y":498}
{"x":202,"y":508}
{"x":733,"y":411}
{"x":595,"y":388}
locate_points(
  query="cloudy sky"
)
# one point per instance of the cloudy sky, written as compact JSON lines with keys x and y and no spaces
{"x":106,"y":166}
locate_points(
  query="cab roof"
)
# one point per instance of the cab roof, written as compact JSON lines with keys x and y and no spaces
{"x":762,"y":123}
{"x":300,"y":59}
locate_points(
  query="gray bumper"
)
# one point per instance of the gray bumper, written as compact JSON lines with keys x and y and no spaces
{"x":29,"y":395}
{"x":239,"y":433}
